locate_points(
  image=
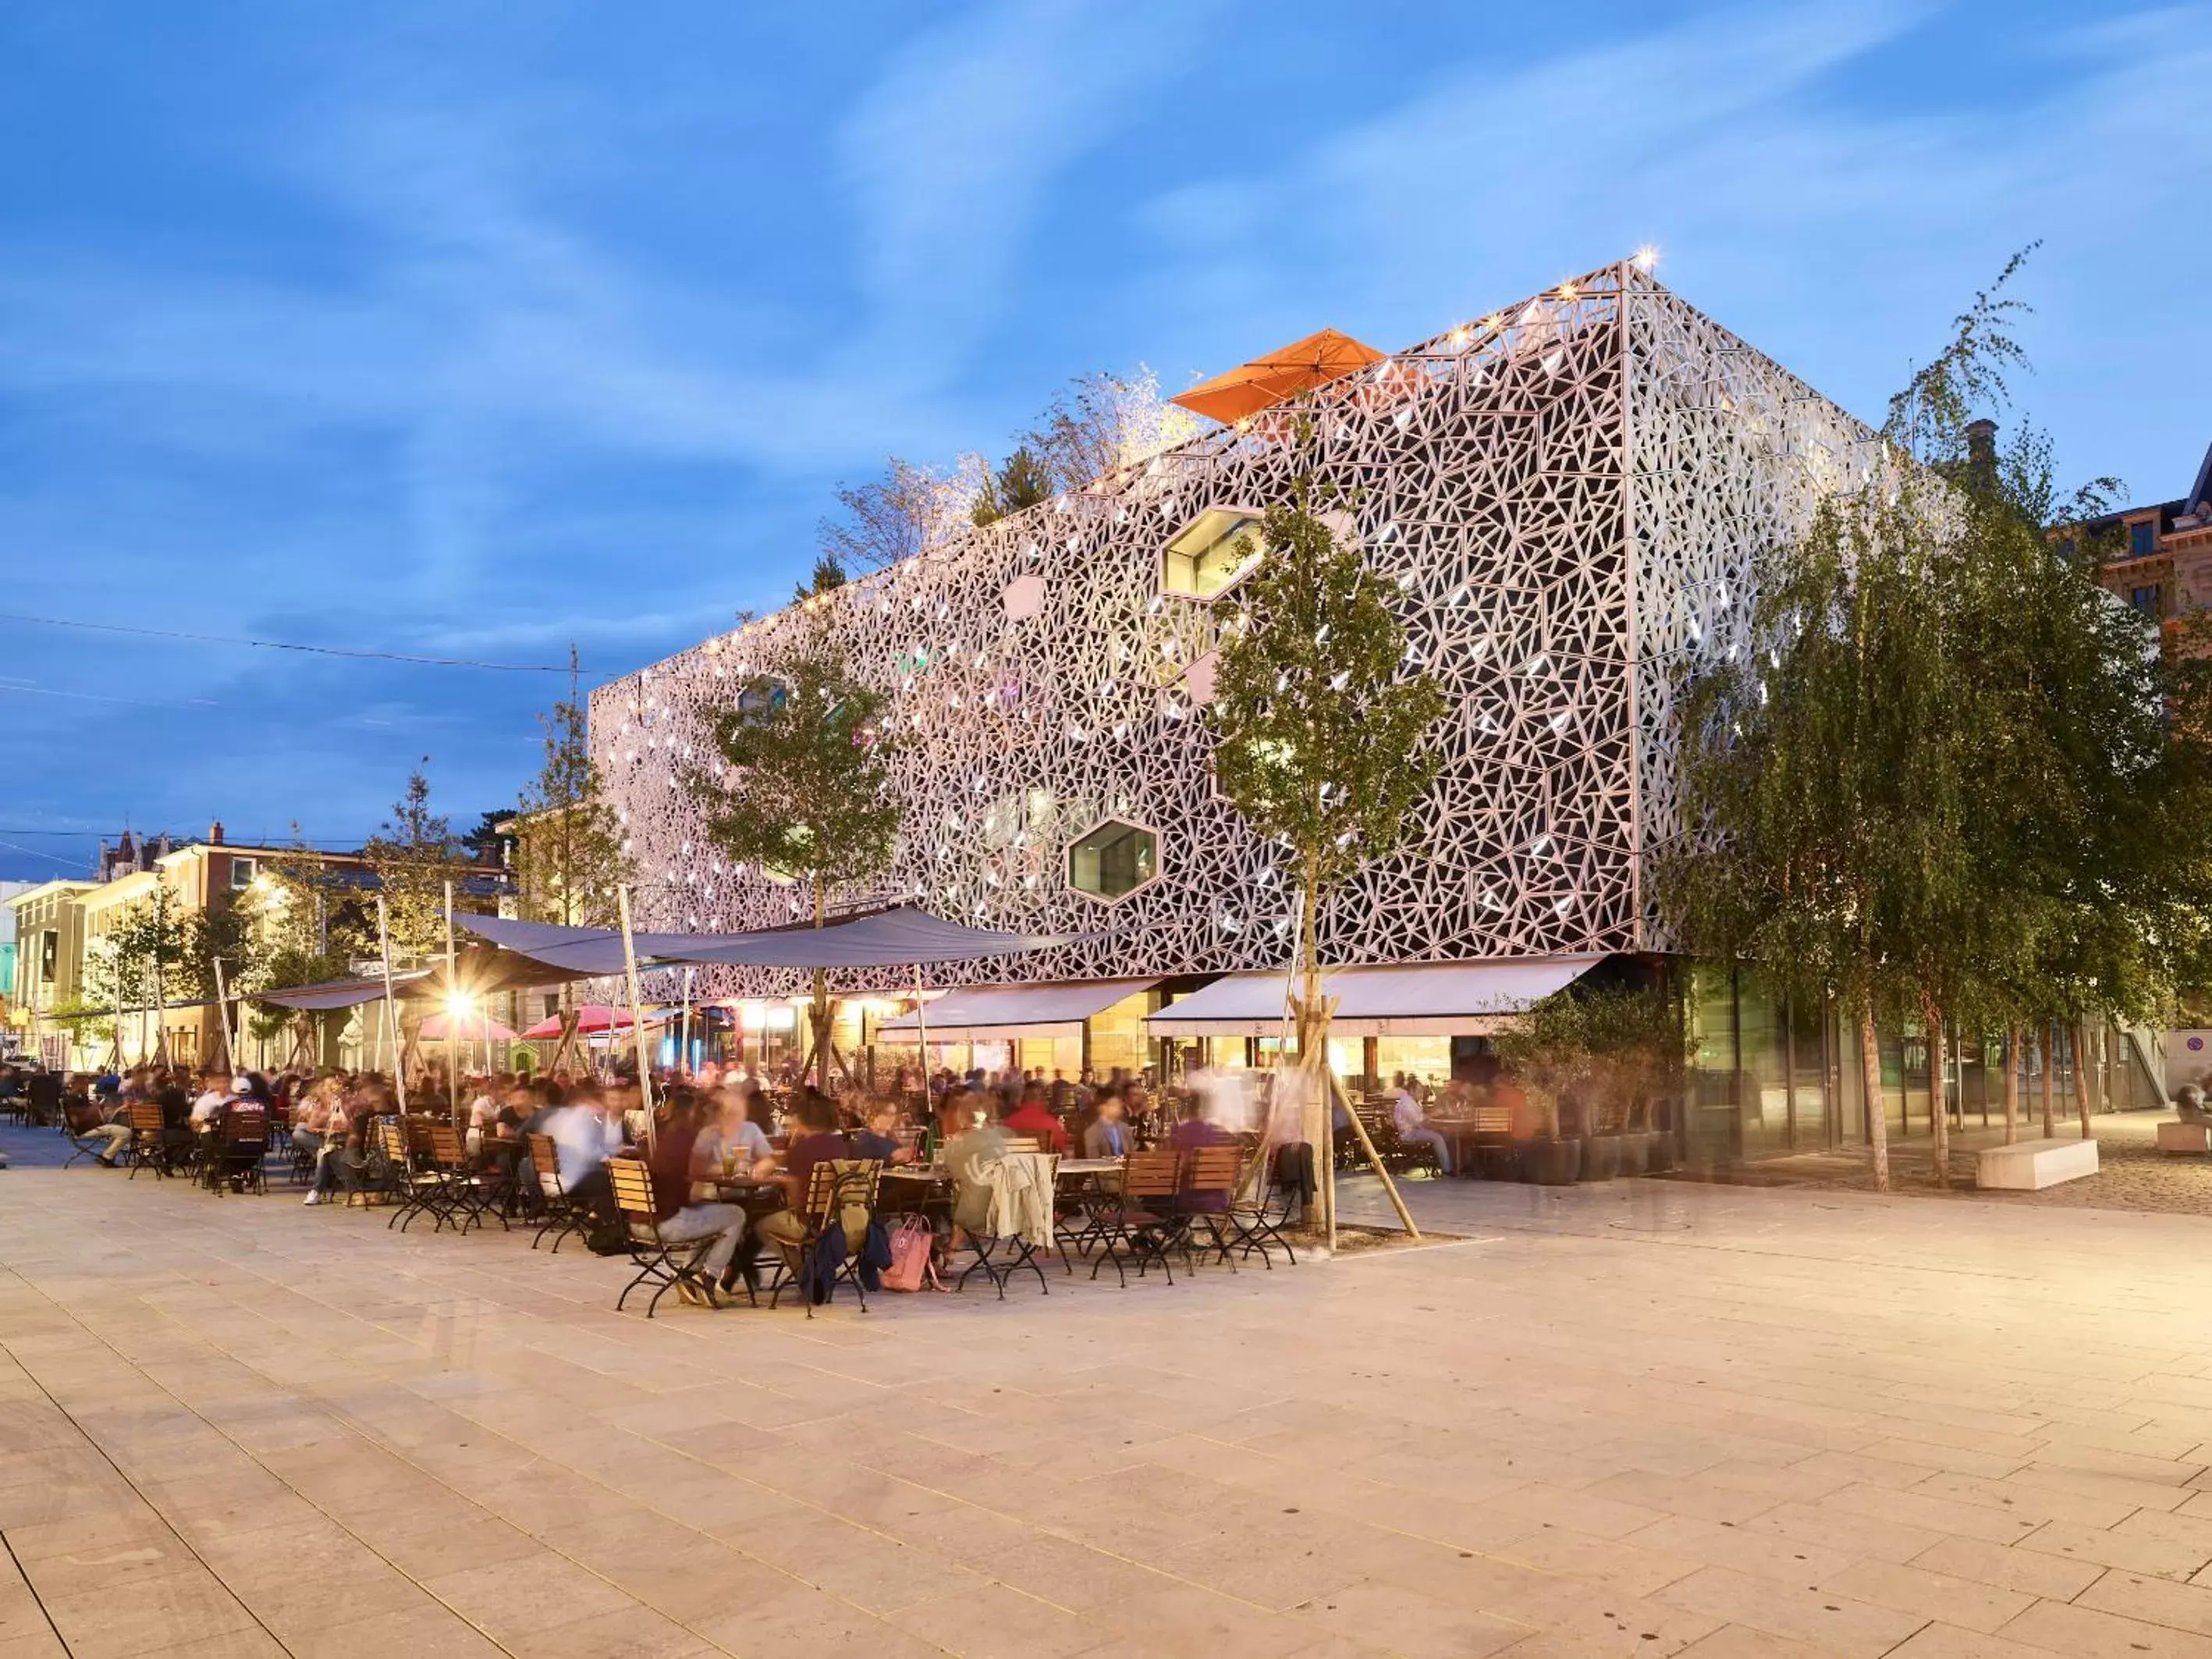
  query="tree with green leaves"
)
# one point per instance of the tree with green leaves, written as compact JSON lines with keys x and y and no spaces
{"x":309,"y":928}
{"x":1941,"y":784}
{"x":414,"y":855}
{"x":569,"y":858}
{"x":1322,"y":727}
{"x":804,"y":791}
{"x":1022,"y":482}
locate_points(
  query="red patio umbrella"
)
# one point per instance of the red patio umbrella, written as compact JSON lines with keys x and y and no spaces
{"x":590,"y":1016}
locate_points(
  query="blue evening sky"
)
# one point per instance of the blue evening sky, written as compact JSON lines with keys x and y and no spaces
{"x":470,"y":328}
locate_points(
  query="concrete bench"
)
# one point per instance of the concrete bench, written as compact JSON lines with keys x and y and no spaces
{"x":2184,"y":1138}
{"x":2029,"y":1166}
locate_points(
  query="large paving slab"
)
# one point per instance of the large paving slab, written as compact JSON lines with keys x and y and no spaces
{"x":1648,"y":1419}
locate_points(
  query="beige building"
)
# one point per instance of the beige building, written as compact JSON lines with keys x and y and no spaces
{"x":60,"y":923}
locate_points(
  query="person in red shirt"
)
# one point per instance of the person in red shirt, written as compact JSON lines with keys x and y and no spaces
{"x":1032,"y":1117}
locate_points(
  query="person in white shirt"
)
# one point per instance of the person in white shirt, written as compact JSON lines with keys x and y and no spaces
{"x":1406,"y":1112}
{"x":211,"y":1100}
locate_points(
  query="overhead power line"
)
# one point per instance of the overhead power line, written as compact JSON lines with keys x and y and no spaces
{"x":289,"y":645}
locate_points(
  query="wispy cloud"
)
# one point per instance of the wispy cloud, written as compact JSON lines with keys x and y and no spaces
{"x":1837,"y":231}
{"x":952,"y":153}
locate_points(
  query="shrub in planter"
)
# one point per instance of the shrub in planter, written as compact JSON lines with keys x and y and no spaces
{"x":1635,"y":1151}
{"x":1600,"y":1159}
{"x":1551,"y":1163}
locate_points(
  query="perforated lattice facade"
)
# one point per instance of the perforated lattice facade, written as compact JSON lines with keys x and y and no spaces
{"x":1568,"y":495}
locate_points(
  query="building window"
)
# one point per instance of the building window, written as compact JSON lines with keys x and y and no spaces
{"x":242,"y":872}
{"x":2068,"y":547}
{"x":1113,"y":861}
{"x":49,"y":956}
{"x":2145,"y":599}
{"x":1219,"y":549}
{"x":2142,"y":539}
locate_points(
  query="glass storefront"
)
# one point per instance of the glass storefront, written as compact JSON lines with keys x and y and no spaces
{"x":1767,"y":1079}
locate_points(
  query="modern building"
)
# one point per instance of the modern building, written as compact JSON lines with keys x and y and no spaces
{"x":1568,"y":494}
{"x":2159,"y":558}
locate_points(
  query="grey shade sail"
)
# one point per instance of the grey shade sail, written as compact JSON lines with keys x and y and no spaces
{"x":336,"y":993}
{"x":890,"y":938}
{"x":994,"y":1014}
{"x":1408,"y":1000}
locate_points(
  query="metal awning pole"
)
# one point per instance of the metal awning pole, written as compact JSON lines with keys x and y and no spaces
{"x":921,"y":1026}
{"x":453,"y":1014}
{"x":390,"y":1030}
{"x":636,"y":1009}
{"x":683,"y":1037}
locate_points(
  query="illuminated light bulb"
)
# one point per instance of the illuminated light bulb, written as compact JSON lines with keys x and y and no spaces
{"x":1646,"y":260}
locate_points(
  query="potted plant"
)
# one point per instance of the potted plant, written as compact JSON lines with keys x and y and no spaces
{"x":1608,"y":1055}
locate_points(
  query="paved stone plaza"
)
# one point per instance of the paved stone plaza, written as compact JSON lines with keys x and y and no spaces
{"x":1649,"y":1418}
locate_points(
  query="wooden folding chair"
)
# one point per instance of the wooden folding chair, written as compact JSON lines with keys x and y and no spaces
{"x":1000,"y":1255}
{"x":468,"y":1193}
{"x":148,"y":1138}
{"x":562,"y":1217}
{"x":840,"y":1190}
{"x":659,"y":1263}
{"x":1211,"y":1175}
{"x":416,"y":1181}
{"x":1139,"y":1225}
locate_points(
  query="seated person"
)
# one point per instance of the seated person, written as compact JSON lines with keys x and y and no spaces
{"x":732,"y":1139}
{"x":815,"y":1138}
{"x":879,"y":1138}
{"x":90,"y":1124}
{"x":970,"y":1151}
{"x":679,"y":1158}
{"x":1032,"y":1118}
{"x":1108,"y":1136}
{"x":1413,"y":1124}
{"x":1196,"y":1129}
{"x":586,"y":1133}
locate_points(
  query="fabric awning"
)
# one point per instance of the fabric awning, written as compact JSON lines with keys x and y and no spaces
{"x":332,"y":993}
{"x":1412,"y":999}
{"x":891,"y":938}
{"x":995,"y":1014}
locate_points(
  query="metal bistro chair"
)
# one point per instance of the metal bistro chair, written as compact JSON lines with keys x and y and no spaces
{"x":1257,"y":1218}
{"x":1208,"y":1200}
{"x":563,"y":1216}
{"x":149,"y":1141}
{"x":1140,"y":1226}
{"x":468,"y":1193}
{"x":236,"y":1147}
{"x":1011,"y":1245}
{"x":417,"y":1182}
{"x":659,"y":1263}
{"x":840,"y":1190}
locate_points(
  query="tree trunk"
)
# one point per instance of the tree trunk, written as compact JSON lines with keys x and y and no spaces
{"x":2012,"y":1085}
{"x":2046,"y":1049}
{"x":2081,"y":1076}
{"x":1314,"y":1103}
{"x":1877,"y":1113}
{"x":821,"y":1016}
{"x":1939,"y":1103}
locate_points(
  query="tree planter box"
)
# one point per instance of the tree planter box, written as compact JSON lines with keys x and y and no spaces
{"x":2029,"y":1166}
{"x":2183,"y":1138}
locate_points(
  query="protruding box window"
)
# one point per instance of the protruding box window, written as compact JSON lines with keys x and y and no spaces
{"x":1113,"y":859}
{"x":1218,"y":550}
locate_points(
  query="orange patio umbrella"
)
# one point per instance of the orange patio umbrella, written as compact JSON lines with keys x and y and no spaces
{"x":1266,"y":382}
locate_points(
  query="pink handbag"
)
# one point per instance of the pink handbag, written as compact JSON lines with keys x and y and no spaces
{"x":911,"y":1268}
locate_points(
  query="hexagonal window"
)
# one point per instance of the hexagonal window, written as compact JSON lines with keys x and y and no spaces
{"x":1113,"y":859}
{"x":1218,"y":550}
